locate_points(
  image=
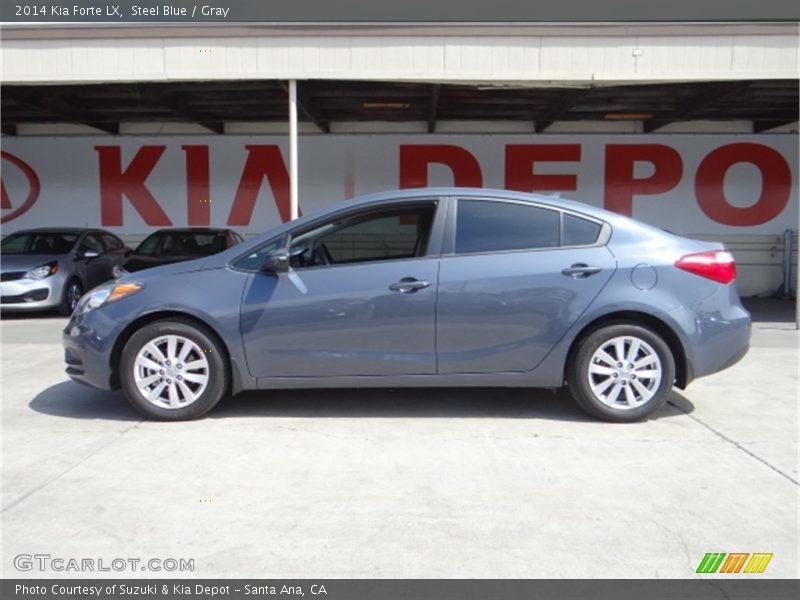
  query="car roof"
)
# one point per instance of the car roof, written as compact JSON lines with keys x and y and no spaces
{"x":192,"y":230}
{"x":56,"y":230}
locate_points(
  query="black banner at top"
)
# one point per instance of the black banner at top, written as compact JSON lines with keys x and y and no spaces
{"x":400,"y":11}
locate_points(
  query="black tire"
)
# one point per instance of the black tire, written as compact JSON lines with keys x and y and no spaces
{"x":213,"y":350}
{"x":619,"y":410}
{"x":68,"y":298}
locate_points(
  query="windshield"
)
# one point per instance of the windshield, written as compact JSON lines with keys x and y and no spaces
{"x":182,"y":243}
{"x":41,"y":242}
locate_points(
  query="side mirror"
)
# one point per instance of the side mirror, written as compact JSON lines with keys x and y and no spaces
{"x":277,"y":262}
{"x":88,"y":254}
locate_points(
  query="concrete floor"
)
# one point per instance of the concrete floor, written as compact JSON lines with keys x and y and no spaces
{"x":412,"y":484}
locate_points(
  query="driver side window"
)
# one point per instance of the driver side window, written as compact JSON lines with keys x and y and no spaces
{"x":382,"y":234}
{"x":91,"y":243}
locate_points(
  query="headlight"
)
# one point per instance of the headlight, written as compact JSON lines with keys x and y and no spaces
{"x":42,"y":271}
{"x":105,"y":294}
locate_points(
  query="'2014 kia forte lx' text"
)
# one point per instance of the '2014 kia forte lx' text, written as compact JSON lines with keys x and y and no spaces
{"x":427,"y":287}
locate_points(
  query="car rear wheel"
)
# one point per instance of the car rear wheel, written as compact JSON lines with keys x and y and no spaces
{"x":72,"y":295}
{"x":622,"y":372}
{"x":173,"y":370}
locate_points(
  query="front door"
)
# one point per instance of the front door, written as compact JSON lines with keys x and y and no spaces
{"x":97,"y":268}
{"x":360,"y":299}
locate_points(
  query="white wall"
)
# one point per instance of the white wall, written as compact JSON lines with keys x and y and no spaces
{"x":590,"y":53}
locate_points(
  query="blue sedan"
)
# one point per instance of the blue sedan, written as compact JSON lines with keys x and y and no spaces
{"x":425,"y":287}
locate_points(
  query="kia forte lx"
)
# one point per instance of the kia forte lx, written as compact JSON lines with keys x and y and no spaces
{"x":427,"y":287}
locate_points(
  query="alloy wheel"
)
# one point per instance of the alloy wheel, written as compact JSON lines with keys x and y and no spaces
{"x":624,"y":373}
{"x":171,"y":371}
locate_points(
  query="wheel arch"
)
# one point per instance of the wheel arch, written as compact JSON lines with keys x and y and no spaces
{"x":134,"y":326}
{"x":662,"y":328}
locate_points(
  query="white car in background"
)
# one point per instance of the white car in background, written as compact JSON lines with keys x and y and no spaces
{"x":51,"y":268}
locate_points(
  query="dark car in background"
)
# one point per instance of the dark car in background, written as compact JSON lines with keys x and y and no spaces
{"x":45,"y":269}
{"x":167,"y":246}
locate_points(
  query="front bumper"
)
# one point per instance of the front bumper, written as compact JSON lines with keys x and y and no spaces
{"x":29,"y":294}
{"x":88,"y":343}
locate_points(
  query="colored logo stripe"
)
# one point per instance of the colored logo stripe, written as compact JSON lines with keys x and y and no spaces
{"x":758,"y":563}
{"x":713,"y":562}
{"x":734,"y":562}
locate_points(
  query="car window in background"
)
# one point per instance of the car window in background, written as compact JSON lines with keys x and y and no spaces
{"x":91,"y":243}
{"x":112,"y":242}
{"x":38,"y":243}
{"x":183,"y":243}
{"x":205,"y":243}
{"x":488,"y":226}
{"x":579,"y":232}
{"x":150,"y":244}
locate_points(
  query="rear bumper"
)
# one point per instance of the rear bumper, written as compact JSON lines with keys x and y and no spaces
{"x":716,"y":332}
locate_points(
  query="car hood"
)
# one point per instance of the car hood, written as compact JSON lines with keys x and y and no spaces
{"x":24,"y":262}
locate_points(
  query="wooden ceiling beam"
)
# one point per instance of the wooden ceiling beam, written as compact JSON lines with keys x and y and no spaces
{"x":560,"y":108}
{"x":306,"y":106}
{"x":760,"y":125}
{"x":434,"y":107}
{"x":58,"y":110}
{"x":703,"y":98}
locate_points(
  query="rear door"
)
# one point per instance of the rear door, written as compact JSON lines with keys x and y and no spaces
{"x":516,"y":276}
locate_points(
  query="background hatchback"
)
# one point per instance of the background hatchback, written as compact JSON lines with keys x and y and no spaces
{"x":426,"y":287}
{"x":45,"y":269}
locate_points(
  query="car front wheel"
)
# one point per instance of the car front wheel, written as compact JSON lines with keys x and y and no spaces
{"x":173,"y":370}
{"x":622,"y":372}
{"x":72,"y":295}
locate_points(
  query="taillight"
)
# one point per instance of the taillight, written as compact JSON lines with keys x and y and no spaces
{"x":716,"y":265}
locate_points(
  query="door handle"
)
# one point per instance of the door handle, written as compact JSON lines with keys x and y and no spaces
{"x":580,"y":271}
{"x":408,"y":284}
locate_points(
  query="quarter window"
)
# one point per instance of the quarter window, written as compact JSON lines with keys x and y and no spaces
{"x":254,"y":260}
{"x":112,"y":243}
{"x":489,"y":226}
{"x":579,"y":232}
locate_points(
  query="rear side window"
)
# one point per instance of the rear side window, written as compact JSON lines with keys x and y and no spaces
{"x":579,"y":232}
{"x":489,"y":226}
{"x":112,"y":243}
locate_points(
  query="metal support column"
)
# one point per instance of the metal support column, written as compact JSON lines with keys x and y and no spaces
{"x":293,"y":210}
